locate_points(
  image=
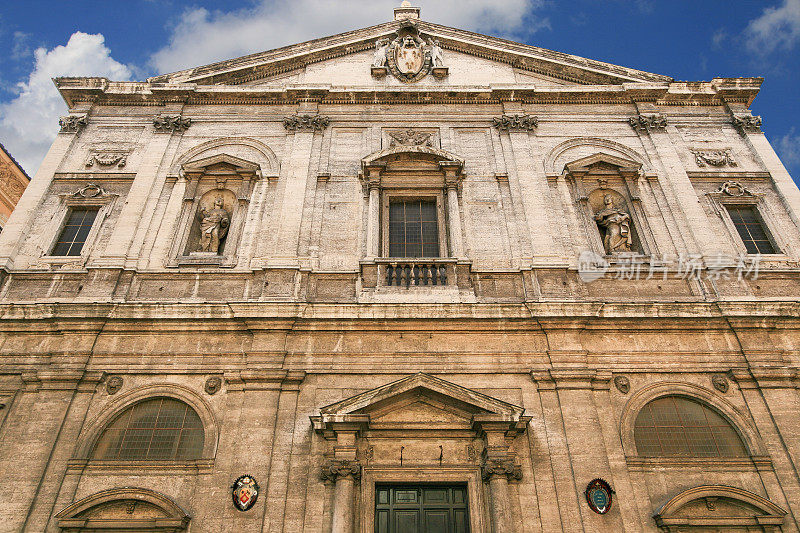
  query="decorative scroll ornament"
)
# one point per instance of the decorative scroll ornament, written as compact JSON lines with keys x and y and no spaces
{"x":107,"y":159}
{"x":171,"y":123}
{"x":516,"y":123}
{"x":245,"y":492}
{"x":733,"y":188}
{"x":410,"y":138}
{"x":622,"y":384}
{"x":497,"y":467}
{"x":599,"y":495}
{"x":72,"y":123}
{"x":333,"y":470}
{"x":91,"y":190}
{"x":649,"y":122}
{"x":306,"y":123}
{"x":747,"y":123}
{"x":720,"y":383}
{"x":715,"y":158}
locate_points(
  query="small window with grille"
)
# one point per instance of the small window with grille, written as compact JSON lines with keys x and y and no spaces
{"x":155,"y":429}
{"x":76,"y":230}
{"x":751,"y":229}
{"x":678,"y":426}
{"x":413,"y":228}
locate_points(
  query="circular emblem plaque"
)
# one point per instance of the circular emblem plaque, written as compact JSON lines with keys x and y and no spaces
{"x":599,"y":495}
{"x":245,"y":492}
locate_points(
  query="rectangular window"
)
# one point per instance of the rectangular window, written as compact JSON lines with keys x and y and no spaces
{"x":413,"y":229}
{"x":751,"y":229}
{"x":76,"y":229}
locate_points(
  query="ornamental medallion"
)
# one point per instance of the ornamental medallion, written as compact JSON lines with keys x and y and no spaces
{"x":599,"y":495}
{"x":245,"y":492}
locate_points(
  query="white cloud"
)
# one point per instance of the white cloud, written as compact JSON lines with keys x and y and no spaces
{"x":202,"y":37}
{"x":29,"y":123}
{"x":789,"y":150}
{"x":776,"y":28}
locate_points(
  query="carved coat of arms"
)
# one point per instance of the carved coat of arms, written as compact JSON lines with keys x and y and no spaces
{"x":408,"y":57}
{"x":245,"y":492}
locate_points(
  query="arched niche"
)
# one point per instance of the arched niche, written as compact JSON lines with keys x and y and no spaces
{"x":600,"y":176}
{"x":123,"y":509}
{"x":581,"y":147}
{"x":95,"y":426}
{"x":243,"y":148}
{"x":225,"y":177}
{"x":718,"y":508}
{"x":746,"y":430}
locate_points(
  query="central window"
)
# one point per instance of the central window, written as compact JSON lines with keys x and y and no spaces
{"x":421,"y":509}
{"x":413,"y":228}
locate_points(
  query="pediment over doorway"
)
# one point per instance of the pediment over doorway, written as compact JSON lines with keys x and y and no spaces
{"x":421,"y":401}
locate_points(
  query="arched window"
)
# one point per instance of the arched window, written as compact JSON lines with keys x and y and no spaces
{"x":154,"y":429}
{"x":678,"y":426}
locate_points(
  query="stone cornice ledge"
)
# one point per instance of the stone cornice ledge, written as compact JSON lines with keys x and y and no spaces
{"x":103,"y":91}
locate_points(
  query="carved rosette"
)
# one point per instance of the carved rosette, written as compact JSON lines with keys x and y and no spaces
{"x":715,"y":158}
{"x":497,"y":467}
{"x":747,"y":123}
{"x":171,"y":123}
{"x":516,"y":123}
{"x":333,"y":470}
{"x":72,"y":123}
{"x":306,"y":123}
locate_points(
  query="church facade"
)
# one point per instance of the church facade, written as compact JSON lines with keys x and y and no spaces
{"x":405,"y":279}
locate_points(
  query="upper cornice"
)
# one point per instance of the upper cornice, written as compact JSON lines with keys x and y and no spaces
{"x":105,"y":92}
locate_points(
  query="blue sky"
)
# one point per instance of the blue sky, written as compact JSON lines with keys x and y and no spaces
{"x":134,"y":39}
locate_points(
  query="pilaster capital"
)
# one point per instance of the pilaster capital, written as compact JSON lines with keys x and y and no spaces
{"x":492,"y":468}
{"x":333,"y":470}
{"x":516,"y":123}
{"x":746,"y":123}
{"x":72,"y":123}
{"x":171,"y":123}
{"x":647,"y":122}
{"x":306,"y":123}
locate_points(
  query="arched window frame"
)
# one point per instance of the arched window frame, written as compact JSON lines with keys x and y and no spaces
{"x":94,"y":429}
{"x":740,"y":422}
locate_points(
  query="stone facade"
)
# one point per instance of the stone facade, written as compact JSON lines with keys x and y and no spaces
{"x":239,"y":261}
{"x":13,"y":181}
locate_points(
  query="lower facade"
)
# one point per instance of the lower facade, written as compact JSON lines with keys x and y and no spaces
{"x":393,"y":419}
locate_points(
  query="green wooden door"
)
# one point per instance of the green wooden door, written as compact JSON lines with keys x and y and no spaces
{"x":421,"y":509}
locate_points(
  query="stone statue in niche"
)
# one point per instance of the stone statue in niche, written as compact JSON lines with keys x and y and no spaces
{"x":616,"y":226}
{"x":213,"y":226}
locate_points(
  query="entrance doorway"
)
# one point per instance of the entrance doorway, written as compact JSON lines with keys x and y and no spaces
{"x":421,"y":509}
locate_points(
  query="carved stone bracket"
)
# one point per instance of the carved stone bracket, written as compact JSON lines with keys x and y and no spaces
{"x":107,"y":159}
{"x":72,"y":123}
{"x":333,"y":470}
{"x":715,"y":158}
{"x":747,"y":123}
{"x":497,"y":467}
{"x":649,"y":122}
{"x":306,"y":123}
{"x":516,"y":123}
{"x":171,"y":123}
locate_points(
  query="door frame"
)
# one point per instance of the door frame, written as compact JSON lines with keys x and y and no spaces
{"x":447,"y":475}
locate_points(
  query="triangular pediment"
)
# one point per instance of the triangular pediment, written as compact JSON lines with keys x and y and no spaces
{"x":345,"y":59}
{"x":601,"y":162}
{"x":221,"y":163}
{"x":427,"y":389}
